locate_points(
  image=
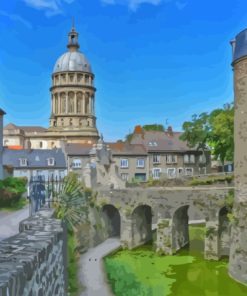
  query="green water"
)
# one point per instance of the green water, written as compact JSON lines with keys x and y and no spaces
{"x":141,"y":272}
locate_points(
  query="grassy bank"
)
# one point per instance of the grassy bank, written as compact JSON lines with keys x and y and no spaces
{"x":142,"y":272}
{"x":74,"y":286}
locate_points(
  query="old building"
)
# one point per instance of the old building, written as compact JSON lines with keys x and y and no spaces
{"x":169,"y":156}
{"x":132,"y":161}
{"x":48,"y":163}
{"x":2,"y":113}
{"x":72,"y":105}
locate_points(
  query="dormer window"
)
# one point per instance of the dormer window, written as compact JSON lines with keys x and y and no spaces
{"x":23,"y":162}
{"x":51,"y":161}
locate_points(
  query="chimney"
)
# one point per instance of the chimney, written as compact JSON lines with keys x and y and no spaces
{"x":169,"y":131}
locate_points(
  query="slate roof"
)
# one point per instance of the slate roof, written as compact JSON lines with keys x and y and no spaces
{"x":78,"y":149}
{"x":157,"y":141}
{"x":36,"y":158}
{"x":28,"y":129}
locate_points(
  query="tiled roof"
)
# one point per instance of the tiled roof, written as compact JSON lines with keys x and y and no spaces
{"x":160,"y":141}
{"x":78,"y":149}
{"x":36,"y":158}
{"x":122,"y":148}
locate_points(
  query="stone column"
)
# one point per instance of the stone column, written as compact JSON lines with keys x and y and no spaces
{"x":83,"y":103}
{"x":75,"y":104}
{"x":66,"y":102}
{"x":89,"y":105}
{"x":59,"y":104}
{"x":126,"y":236}
{"x":164,"y":237}
{"x":211,"y":248}
{"x":238,"y":248}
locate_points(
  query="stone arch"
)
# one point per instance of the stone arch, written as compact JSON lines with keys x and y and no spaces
{"x":180,"y":228}
{"x":141,"y":225}
{"x":224,"y":232}
{"x":112,"y":220}
{"x":71,"y":96}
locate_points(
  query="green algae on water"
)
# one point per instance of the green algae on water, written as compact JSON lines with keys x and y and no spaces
{"x":141,"y":272}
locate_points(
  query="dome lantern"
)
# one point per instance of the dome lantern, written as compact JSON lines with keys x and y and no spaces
{"x":73,"y":44}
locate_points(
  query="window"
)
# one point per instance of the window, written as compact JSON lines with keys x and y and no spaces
{"x":156,"y":158}
{"x":188,"y":171}
{"x":171,"y":173}
{"x":124,"y":163}
{"x":171,"y":158}
{"x":186,"y":158}
{"x":202,"y":158}
{"x":140,"y":163}
{"x":192,"y":158}
{"x":37,"y":158}
{"x":125,"y":176}
{"x":86,"y":78}
{"x":40,"y":144}
{"x":23,"y":162}
{"x":76,"y":163}
{"x":189,"y":158}
{"x":156,"y":173}
{"x":51,"y":161}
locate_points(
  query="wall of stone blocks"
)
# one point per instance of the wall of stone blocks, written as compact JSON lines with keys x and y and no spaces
{"x":34,"y":262}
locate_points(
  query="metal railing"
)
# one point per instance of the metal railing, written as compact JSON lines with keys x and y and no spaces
{"x":42,"y":192}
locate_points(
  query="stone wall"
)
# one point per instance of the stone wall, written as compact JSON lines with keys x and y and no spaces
{"x":34,"y":262}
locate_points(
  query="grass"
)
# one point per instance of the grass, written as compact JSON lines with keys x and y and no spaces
{"x":74,"y":286}
{"x":142,"y":272}
{"x":22,"y":202}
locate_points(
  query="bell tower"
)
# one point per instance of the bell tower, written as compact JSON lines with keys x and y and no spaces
{"x":73,"y":96}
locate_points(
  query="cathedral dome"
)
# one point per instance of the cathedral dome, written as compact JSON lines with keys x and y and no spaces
{"x":72,"y":61}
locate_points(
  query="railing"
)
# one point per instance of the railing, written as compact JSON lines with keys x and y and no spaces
{"x":42,"y":192}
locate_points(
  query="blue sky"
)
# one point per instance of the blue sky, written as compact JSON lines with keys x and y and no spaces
{"x":155,"y":61}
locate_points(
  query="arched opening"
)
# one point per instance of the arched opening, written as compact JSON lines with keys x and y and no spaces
{"x":180,"y":228}
{"x":112,"y":220}
{"x":141,"y":225}
{"x":224,"y":232}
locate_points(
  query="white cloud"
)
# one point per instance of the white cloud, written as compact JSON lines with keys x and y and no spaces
{"x":51,"y":7}
{"x":134,"y":4}
{"x":16,"y":18}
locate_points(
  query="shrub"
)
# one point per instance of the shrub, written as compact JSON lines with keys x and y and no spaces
{"x":11,"y":190}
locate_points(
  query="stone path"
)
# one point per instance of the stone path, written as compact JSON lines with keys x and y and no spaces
{"x":92,"y":275}
{"x":9,"y":222}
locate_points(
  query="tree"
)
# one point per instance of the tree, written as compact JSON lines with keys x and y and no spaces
{"x":222,"y":133}
{"x":214,"y":130}
{"x":197,"y":132}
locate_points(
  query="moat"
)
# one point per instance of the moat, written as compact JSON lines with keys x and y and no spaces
{"x":143,"y":272}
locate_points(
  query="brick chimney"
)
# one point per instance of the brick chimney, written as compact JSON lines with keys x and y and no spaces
{"x":169,"y":131}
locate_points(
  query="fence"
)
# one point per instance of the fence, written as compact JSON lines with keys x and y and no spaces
{"x":42,"y":192}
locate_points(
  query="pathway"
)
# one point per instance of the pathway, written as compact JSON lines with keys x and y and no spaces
{"x":92,"y":274}
{"x":9,"y":222}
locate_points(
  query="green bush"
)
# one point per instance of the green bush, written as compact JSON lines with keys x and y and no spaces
{"x":11,"y":190}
